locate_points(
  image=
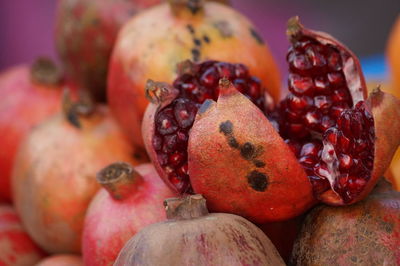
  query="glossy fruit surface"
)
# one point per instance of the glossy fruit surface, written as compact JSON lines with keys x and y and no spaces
{"x":192,"y":236}
{"x":28,"y":95}
{"x":154,"y":42}
{"x":131,"y":198}
{"x":54,"y":174}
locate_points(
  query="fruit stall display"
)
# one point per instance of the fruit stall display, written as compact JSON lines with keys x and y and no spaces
{"x":182,"y":147}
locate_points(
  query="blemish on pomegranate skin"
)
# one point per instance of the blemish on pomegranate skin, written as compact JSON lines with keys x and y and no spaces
{"x":258,"y":163}
{"x":256,"y":36}
{"x":248,"y":151}
{"x":258,"y":181}
{"x":224,"y":28}
{"x":226,"y":128}
{"x":206,"y":39}
{"x":195,"y":54}
{"x":190,"y":28}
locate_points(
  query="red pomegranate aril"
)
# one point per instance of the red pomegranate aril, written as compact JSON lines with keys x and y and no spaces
{"x":323,"y":102}
{"x":313,"y":53}
{"x":340,"y":95}
{"x":294,"y":146}
{"x":344,"y":143}
{"x":312,"y":119}
{"x":345,"y":162}
{"x":209,"y":78}
{"x":326,"y":123}
{"x":300,"y":85}
{"x":241,"y":71}
{"x":334,"y":60}
{"x":344,"y":123}
{"x":336,"y":79}
{"x":310,"y":149}
{"x":173,"y":122}
{"x":308,"y":161}
{"x":338,"y":108}
{"x":299,"y":62}
{"x":331,"y":135}
{"x":299,"y":103}
{"x":321,"y":85}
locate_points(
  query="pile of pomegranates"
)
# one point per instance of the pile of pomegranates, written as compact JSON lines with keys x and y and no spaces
{"x":195,"y":158}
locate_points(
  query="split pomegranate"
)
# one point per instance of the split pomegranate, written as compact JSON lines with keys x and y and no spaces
{"x":85,"y":34}
{"x":324,"y":129}
{"x":192,"y":236}
{"x":169,"y":119}
{"x":366,"y":233}
{"x":16,"y":247}
{"x":54,"y":172}
{"x":61,"y":260}
{"x":28,"y":95}
{"x":131,"y":199}
{"x":156,"y":40}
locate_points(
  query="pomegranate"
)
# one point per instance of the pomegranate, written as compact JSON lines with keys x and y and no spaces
{"x":366,"y":233}
{"x":192,"y":236}
{"x":131,"y":199}
{"x":153,"y":42}
{"x":61,"y":260}
{"x":54,"y":173}
{"x":28,"y":95}
{"x":16,"y":247}
{"x":324,"y":129}
{"x":85,"y":34}
{"x":283,"y":234}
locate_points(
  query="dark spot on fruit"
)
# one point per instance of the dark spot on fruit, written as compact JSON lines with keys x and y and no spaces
{"x":206,"y":39}
{"x":256,"y":36}
{"x":224,"y":28}
{"x":73,"y":118}
{"x":226,"y":128}
{"x":258,"y":163}
{"x":137,"y":155}
{"x":258,"y":181}
{"x":197,"y":42}
{"x":190,"y":28}
{"x":205,"y":106}
{"x":233,"y":142}
{"x":195,"y":54}
{"x":248,"y":151}
{"x":193,"y":6}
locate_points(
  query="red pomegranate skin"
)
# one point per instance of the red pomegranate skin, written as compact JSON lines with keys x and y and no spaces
{"x":85,"y":33}
{"x":23,"y":104}
{"x":110,"y":222}
{"x":219,"y":33}
{"x":16,"y":247}
{"x":365,"y":233}
{"x":54,"y":175}
{"x":61,"y":260}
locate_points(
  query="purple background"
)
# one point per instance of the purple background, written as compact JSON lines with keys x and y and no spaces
{"x":26,"y":29}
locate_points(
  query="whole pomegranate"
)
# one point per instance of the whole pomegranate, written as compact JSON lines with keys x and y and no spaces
{"x":16,"y":247}
{"x":28,"y":95}
{"x":131,"y":199}
{"x":54,"y":173}
{"x":192,"y":236}
{"x":85,"y":34}
{"x":61,"y":260}
{"x":366,"y":233}
{"x":324,"y":129}
{"x":152,"y":43}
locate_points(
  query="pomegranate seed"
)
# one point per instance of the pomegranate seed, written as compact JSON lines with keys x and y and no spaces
{"x":310,"y":149}
{"x":340,"y":95}
{"x":240,"y":85}
{"x":343,"y":143}
{"x":336,"y":78}
{"x":165,"y":122}
{"x":157,"y":142}
{"x":326,"y":123}
{"x":210,"y":78}
{"x":185,"y":112}
{"x":299,"y":62}
{"x":334,"y":61}
{"x":308,"y":161}
{"x":241,"y":71}
{"x":315,"y":57}
{"x":312,"y":119}
{"x":321,"y":85}
{"x":225,"y":70}
{"x":300,"y":85}
{"x":176,"y":158}
{"x":322,"y":102}
{"x":298,"y":104}
{"x":345,"y":162}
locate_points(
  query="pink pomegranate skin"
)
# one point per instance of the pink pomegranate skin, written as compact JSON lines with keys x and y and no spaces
{"x":110,"y":222}
{"x":23,"y":104}
{"x":16,"y":247}
{"x":61,"y":260}
{"x":85,"y":34}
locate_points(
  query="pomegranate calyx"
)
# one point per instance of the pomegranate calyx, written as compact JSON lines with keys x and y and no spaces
{"x":181,"y":7}
{"x":73,"y":110}
{"x":44,"y":71}
{"x":118,"y":179}
{"x":186,"y":208}
{"x":294,"y":27}
{"x":160,"y":92}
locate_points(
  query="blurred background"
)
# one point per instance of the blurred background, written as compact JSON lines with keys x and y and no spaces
{"x":26,"y":29}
